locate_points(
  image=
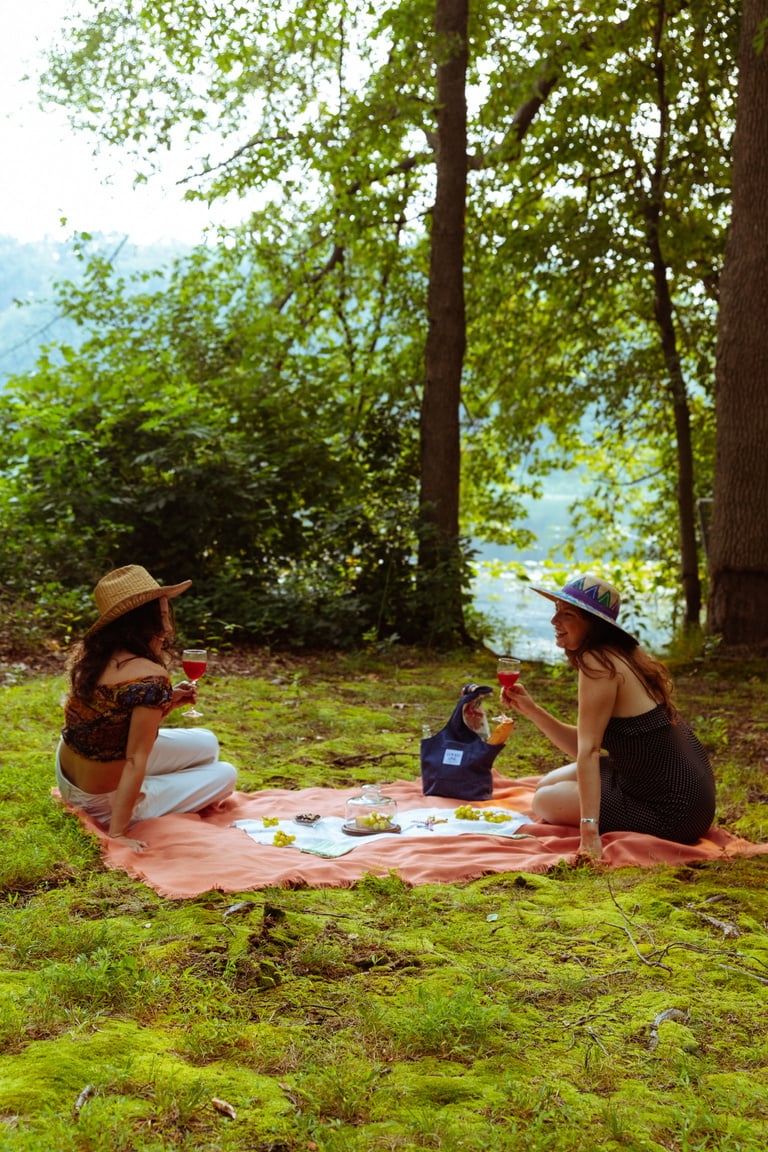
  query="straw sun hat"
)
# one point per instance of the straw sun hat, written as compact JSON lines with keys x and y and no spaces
{"x":127,"y":588}
{"x":592,"y":595}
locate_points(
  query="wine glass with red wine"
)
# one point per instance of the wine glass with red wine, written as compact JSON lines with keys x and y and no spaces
{"x":507,"y":671}
{"x":507,"y":674}
{"x":194,"y":661}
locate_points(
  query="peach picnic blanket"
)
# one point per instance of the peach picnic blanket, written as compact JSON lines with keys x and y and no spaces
{"x":190,"y":854}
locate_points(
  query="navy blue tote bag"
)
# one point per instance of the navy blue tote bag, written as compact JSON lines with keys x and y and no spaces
{"x":457,"y":761}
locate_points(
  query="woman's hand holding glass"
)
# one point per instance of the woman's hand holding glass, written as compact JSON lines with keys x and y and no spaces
{"x":517,"y":698}
{"x":183,"y":693}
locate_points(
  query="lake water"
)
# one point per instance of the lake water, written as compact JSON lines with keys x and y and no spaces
{"x":522,"y":617}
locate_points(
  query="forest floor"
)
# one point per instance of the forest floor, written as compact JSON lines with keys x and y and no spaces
{"x":576,"y":1010}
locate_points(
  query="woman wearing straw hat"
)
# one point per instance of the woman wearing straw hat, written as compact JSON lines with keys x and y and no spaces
{"x":114,"y":760}
{"x":656,"y":777}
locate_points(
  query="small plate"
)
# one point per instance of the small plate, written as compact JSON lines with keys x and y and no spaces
{"x":306,"y":818}
{"x":351,"y":830}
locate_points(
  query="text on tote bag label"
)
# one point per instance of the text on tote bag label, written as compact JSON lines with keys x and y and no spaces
{"x":453,"y":756}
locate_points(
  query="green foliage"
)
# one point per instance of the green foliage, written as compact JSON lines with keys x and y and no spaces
{"x":177,"y":436}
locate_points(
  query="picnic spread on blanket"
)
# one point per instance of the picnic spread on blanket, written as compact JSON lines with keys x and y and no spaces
{"x":330,"y":836}
{"x":191,"y":853}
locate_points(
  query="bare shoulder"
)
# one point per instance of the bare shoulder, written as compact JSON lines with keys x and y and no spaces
{"x":124,"y":668}
{"x":606,"y":666}
{"x":146,"y":668}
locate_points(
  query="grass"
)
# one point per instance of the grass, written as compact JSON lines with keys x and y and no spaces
{"x":511,"y":1011}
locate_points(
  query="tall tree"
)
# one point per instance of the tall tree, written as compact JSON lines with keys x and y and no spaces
{"x":439,"y":552}
{"x":619,"y":256}
{"x":738,"y":553}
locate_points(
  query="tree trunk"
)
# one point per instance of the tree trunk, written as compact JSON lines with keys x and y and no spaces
{"x":738,"y":556}
{"x":439,"y":552}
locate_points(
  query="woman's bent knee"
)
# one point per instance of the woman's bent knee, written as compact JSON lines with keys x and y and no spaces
{"x":557,"y":803}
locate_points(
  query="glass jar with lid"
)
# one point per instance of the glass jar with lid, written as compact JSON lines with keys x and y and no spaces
{"x":371,"y":812}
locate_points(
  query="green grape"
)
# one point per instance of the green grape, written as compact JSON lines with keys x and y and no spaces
{"x":466,"y":812}
{"x":270,"y":821}
{"x":496,"y":817}
{"x":281,"y":839}
{"x":376,"y":821}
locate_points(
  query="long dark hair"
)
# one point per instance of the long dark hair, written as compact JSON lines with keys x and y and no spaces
{"x":603,"y":639}
{"x":133,"y":632}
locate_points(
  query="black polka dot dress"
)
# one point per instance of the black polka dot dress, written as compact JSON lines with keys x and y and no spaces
{"x":656,"y":779}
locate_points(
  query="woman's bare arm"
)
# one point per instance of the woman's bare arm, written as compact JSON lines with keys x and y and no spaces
{"x":597,"y":700}
{"x":563,"y":736}
{"x":142,"y":734}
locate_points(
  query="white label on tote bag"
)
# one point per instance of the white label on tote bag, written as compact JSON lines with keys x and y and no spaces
{"x":453,"y":756}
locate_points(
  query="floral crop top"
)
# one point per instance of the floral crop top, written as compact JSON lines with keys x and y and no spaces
{"x":98,"y":728}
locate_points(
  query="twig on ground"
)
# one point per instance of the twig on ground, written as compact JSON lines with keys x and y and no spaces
{"x":718,"y":952}
{"x":667,"y":1014}
{"x":355,"y":760}
{"x":242,"y":907}
{"x":645,"y":959}
{"x":744,"y":972}
{"x":594,"y":1036}
{"x":642,"y":927}
{"x":82,"y":1100}
{"x":625,"y":926}
{"x":725,"y":926}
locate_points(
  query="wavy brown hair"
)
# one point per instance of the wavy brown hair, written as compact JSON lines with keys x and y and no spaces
{"x":132,"y":632}
{"x":602,"y":639}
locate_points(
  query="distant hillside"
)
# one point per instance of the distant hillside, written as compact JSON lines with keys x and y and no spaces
{"x":28,"y":315}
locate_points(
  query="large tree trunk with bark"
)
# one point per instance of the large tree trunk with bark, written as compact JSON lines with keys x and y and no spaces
{"x":440,"y":552}
{"x":738,"y":551}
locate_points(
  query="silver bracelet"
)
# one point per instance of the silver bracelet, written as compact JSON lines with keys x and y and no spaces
{"x":588,"y":820}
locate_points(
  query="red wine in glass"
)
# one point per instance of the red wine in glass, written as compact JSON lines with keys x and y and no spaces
{"x":194,"y":661}
{"x":507,"y":671}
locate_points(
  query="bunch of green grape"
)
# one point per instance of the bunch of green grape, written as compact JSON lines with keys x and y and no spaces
{"x":270,"y":821}
{"x":466,"y":812}
{"x":377,"y":821}
{"x":282,"y":839}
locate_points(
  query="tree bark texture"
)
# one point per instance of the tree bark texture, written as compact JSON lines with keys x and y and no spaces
{"x":446,"y":338}
{"x":738,"y":554}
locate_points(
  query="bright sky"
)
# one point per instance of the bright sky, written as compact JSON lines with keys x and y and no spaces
{"x":49,"y":171}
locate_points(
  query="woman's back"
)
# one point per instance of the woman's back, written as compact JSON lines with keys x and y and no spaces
{"x":632,"y":695}
{"x":124,"y":666}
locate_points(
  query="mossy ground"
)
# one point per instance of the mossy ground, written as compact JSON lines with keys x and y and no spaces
{"x":509,"y":1012}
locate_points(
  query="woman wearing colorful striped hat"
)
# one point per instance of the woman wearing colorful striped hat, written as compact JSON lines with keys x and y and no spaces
{"x":637,"y":767}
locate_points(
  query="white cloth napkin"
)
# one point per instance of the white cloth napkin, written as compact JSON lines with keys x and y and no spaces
{"x":326,"y":837}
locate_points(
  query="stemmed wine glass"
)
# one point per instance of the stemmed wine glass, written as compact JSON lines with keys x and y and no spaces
{"x":194,"y":661}
{"x":507,"y":674}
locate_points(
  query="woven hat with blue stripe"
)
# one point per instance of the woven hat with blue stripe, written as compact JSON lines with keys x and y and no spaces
{"x":591,"y":594}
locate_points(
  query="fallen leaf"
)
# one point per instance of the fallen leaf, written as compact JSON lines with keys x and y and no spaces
{"x":223,"y":1107}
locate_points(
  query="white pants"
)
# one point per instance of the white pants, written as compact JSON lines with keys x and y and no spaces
{"x":184,"y":774}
